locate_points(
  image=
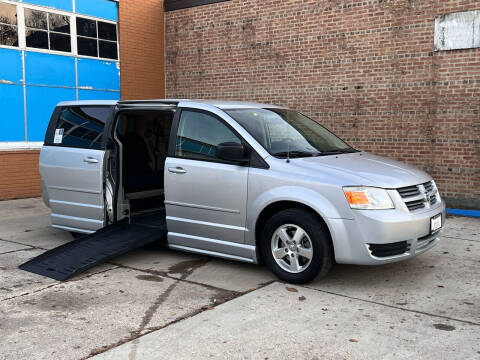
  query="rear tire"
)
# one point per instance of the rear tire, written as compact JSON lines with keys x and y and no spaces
{"x":298,"y":259}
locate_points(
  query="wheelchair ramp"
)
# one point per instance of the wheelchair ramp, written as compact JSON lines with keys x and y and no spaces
{"x":86,"y":252}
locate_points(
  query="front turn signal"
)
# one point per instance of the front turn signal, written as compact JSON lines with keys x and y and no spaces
{"x":367,"y":198}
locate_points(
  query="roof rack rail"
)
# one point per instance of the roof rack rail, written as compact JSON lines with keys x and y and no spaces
{"x":151,"y":102}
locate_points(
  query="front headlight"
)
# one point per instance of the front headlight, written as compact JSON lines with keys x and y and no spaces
{"x":370,"y":198}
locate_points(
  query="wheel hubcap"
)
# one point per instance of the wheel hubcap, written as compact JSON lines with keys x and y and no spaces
{"x":292,"y":248}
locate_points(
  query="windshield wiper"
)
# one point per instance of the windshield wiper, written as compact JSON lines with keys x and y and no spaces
{"x":337,"y":152}
{"x":295,"y":154}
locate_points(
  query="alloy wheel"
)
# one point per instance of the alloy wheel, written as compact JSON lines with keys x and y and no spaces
{"x":292,"y":248}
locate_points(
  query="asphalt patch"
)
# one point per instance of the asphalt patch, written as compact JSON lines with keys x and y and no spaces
{"x":444,"y":327}
{"x":149,"y":278}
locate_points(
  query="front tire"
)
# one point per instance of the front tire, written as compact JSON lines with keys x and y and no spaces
{"x":296,"y":246}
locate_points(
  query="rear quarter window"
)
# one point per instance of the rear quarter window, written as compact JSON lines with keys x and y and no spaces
{"x":79,"y":127}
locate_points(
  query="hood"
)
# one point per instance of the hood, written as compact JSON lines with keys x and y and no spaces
{"x":366,"y":169}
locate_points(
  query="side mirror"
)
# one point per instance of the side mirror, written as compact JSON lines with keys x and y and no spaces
{"x":232,"y":151}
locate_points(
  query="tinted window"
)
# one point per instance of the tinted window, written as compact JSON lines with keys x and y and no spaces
{"x":60,"y":42}
{"x":8,"y":22}
{"x":86,"y":27}
{"x":87,"y":46}
{"x":47,"y":30}
{"x":100,"y":113}
{"x":199,"y":135}
{"x":36,"y":19}
{"x":107,"y":49}
{"x":59,"y":23}
{"x":97,"y":38}
{"x":107,"y":31}
{"x":82,"y":127}
{"x":8,"y":35}
{"x":8,"y":14}
{"x":36,"y":39}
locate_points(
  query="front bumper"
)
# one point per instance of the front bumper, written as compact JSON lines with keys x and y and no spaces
{"x":351,"y":238}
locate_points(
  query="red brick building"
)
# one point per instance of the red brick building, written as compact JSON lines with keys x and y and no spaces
{"x":367,"y":70}
{"x":389,"y":76}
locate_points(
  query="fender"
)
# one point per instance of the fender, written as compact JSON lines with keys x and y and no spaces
{"x":298,"y":194}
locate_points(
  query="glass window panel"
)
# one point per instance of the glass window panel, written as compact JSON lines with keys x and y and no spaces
{"x":36,"y":39}
{"x":60,"y":42}
{"x":8,"y":35}
{"x":107,"y":31}
{"x":199,"y":134}
{"x":107,"y":49}
{"x":35,"y":19}
{"x":87,"y":46}
{"x":283,"y":131}
{"x":99,"y":113}
{"x":8,"y":14}
{"x":59,"y":23}
{"x":86,"y":27}
{"x":80,"y":129}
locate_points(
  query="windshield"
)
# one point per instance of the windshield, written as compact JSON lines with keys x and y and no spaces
{"x":284,"y":132}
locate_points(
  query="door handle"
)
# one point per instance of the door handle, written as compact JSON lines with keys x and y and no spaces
{"x":177,"y":170}
{"x":90,"y":160}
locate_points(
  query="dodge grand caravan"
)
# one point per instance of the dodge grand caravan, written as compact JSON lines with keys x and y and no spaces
{"x":242,"y":181}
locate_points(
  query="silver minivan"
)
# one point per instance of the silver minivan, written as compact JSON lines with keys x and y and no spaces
{"x":242,"y":181}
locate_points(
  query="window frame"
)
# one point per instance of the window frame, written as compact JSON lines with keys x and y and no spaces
{"x":21,"y":29}
{"x":97,"y":20}
{"x":254,"y":159}
{"x":47,"y":30}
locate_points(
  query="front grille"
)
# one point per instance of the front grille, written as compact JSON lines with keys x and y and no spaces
{"x":415,"y":204}
{"x":391,"y":249}
{"x":428,"y":186}
{"x":409,"y":191}
{"x":419,"y":196}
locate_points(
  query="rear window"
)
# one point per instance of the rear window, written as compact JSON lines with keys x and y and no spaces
{"x":80,"y":127}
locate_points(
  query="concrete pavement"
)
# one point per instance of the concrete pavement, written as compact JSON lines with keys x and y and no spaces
{"x":160,"y":304}
{"x":291,"y":322}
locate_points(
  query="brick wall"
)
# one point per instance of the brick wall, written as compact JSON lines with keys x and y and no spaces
{"x":141,"y":33}
{"x":19,"y":176}
{"x":364,"y":69}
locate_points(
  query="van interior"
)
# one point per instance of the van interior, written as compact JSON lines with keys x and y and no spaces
{"x":142,"y":138}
